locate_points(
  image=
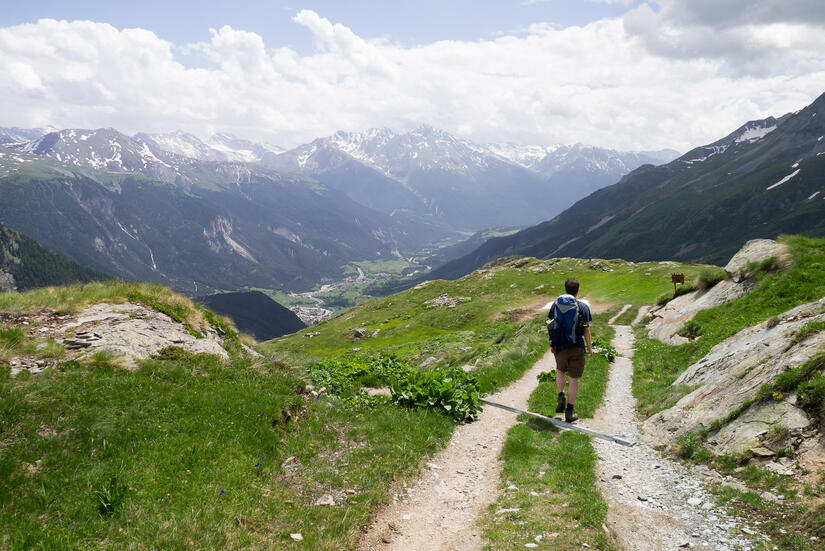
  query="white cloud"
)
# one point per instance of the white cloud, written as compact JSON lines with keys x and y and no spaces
{"x":612,"y":82}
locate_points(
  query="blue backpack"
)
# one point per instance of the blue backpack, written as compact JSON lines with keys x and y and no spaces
{"x":563,"y":322}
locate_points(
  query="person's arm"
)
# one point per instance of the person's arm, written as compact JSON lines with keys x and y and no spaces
{"x":587,"y":340}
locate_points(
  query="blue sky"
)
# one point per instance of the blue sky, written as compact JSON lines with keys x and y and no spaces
{"x":624,"y":74}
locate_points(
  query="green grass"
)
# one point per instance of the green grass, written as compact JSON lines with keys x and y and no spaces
{"x":558,"y":468}
{"x":178,"y":455}
{"x":194,"y":455}
{"x":628,"y":317}
{"x":656,"y":365}
{"x":569,"y":511}
{"x":498,"y":308}
{"x":15,"y":342}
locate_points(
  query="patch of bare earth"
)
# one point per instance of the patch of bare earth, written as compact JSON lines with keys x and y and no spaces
{"x":438,"y":512}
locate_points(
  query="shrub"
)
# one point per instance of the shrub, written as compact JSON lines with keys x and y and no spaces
{"x":450,"y":390}
{"x":687,"y":445}
{"x":174,"y":354}
{"x":709,"y":278}
{"x":604,"y":349}
{"x":692,"y":330}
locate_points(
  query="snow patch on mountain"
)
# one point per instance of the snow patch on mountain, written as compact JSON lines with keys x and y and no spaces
{"x":525,"y":155}
{"x":755,"y":133}
{"x":783,"y":180}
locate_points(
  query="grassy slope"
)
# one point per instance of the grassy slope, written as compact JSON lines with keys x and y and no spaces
{"x":658,"y":365}
{"x":791,"y":523}
{"x":194,"y":452}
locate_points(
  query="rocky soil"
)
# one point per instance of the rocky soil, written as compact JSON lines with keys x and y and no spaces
{"x":654,"y":503}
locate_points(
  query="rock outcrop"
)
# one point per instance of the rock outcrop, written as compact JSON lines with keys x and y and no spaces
{"x":754,"y":251}
{"x":133,"y":331}
{"x":667,"y":320}
{"x":732,"y":373}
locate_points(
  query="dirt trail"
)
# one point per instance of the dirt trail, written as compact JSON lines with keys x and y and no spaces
{"x":440,"y":510}
{"x":653,"y":503}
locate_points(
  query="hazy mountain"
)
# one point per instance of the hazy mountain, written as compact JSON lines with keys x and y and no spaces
{"x":219,"y":147}
{"x":14,"y":135}
{"x":765,"y":178}
{"x":429,"y":172}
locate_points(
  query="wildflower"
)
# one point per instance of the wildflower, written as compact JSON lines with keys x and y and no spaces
{"x":262,"y":458}
{"x":258,"y":464}
{"x":274,"y":357}
{"x":261,"y":414}
{"x":223,"y":492}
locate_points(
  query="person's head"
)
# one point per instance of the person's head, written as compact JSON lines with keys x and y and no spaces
{"x":571,"y":286}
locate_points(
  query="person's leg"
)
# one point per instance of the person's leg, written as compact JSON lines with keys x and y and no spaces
{"x":561,"y":380}
{"x":572,"y":391}
{"x":575,"y":371}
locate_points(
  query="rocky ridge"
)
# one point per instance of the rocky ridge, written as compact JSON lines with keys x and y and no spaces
{"x":129,"y":331}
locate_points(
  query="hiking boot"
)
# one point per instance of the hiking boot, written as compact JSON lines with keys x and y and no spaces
{"x":569,"y":414}
{"x":561,"y":403}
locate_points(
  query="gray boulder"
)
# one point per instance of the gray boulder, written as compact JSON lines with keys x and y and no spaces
{"x":133,"y":331}
{"x":732,"y":373}
{"x":667,"y":320}
{"x":755,"y":250}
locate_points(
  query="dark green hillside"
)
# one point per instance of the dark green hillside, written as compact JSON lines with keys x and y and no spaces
{"x":254,"y":313}
{"x":31,"y":265}
{"x":701,"y":207}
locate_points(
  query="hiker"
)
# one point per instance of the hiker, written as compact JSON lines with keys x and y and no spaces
{"x":569,"y":327}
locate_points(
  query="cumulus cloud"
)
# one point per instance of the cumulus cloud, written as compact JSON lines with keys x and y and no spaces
{"x":607,"y":83}
{"x":750,"y":37}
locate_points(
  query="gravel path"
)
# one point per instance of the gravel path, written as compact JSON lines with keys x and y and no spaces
{"x":654,"y":504}
{"x":440,"y":510}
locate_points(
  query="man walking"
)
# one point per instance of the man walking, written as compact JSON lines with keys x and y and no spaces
{"x":569,"y":328}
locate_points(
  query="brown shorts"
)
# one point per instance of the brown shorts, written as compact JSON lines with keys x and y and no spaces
{"x":571,"y":362}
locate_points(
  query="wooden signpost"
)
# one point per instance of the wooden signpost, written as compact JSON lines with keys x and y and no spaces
{"x":677,"y":278}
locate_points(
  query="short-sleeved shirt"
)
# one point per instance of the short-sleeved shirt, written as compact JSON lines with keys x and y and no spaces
{"x":585,"y":318}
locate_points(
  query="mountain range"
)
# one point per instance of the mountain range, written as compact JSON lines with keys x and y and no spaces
{"x":765,"y":178}
{"x":225,"y":213}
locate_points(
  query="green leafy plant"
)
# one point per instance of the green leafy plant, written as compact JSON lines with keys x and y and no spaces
{"x":604,"y":349}
{"x":451,"y":390}
{"x":110,"y":496}
{"x":546,"y":376}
